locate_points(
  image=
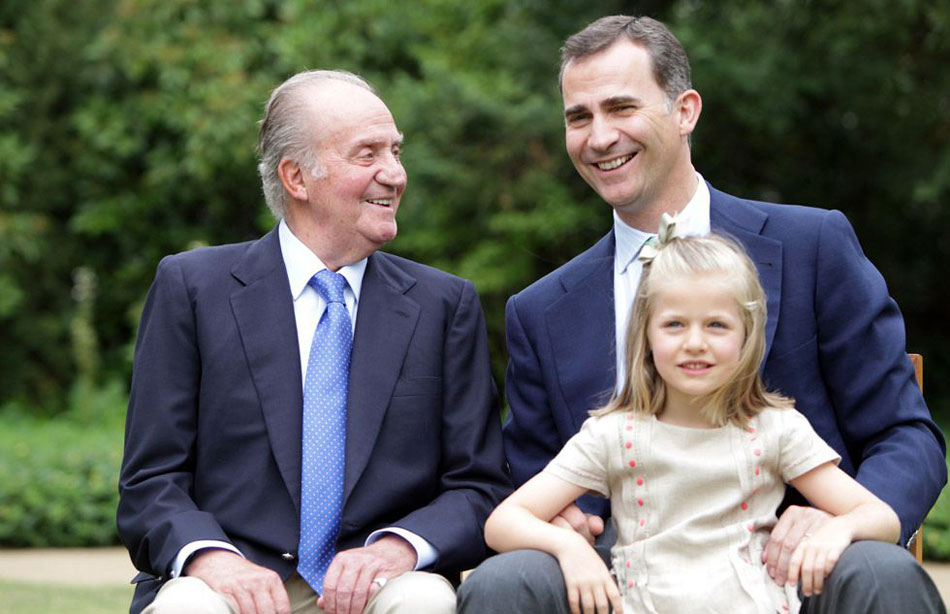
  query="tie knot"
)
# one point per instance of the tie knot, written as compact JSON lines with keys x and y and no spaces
{"x":329,"y":285}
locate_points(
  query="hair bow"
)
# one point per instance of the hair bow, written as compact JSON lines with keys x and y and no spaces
{"x":664,"y":235}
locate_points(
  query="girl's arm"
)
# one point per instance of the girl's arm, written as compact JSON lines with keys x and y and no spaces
{"x":858,"y":514}
{"x":522,"y":521}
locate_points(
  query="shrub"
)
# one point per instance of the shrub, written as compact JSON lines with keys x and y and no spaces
{"x":59,"y":485}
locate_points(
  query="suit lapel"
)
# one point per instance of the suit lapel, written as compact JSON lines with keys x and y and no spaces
{"x":580,"y":326}
{"x":264,"y":312}
{"x":745,"y":222}
{"x":385,"y":322}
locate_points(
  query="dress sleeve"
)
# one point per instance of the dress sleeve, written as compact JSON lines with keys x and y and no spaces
{"x":801,"y":448}
{"x":583,"y":460}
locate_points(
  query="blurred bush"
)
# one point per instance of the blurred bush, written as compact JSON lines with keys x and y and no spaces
{"x":59,"y":485}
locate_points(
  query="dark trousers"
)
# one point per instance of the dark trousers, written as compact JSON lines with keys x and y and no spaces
{"x":870,"y":577}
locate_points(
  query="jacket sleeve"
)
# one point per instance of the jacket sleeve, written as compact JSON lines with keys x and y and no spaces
{"x":157,"y":515}
{"x":878,"y":407}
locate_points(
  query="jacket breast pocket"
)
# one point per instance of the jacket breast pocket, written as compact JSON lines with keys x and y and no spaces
{"x":418,"y":386}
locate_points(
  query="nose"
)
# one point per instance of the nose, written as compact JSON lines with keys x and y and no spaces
{"x":602,"y":134}
{"x":695,"y":341}
{"x":392,"y":173}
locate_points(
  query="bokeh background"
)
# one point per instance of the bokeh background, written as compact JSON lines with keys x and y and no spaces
{"x":128,"y":131}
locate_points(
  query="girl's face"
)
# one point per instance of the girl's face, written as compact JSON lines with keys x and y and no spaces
{"x":696,"y":334}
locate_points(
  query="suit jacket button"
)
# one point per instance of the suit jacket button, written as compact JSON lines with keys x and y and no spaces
{"x":288,"y":556}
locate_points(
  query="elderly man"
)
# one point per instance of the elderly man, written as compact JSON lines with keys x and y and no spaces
{"x":312,"y":424}
{"x":835,"y":339}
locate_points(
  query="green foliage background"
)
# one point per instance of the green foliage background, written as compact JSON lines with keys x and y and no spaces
{"x":128,"y":128}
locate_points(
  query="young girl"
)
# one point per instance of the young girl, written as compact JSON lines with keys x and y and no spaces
{"x":694,"y":454}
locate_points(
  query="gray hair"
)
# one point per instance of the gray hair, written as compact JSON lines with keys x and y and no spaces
{"x":287,"y":131}
{"x":667,"y":56}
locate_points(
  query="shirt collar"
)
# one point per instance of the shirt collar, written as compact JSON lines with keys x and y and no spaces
{"x":302,"y":264}
{"x":629,"y":240}
{"x":693,"y":220}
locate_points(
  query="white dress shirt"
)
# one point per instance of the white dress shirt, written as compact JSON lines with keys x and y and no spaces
{"x":693,"y":220}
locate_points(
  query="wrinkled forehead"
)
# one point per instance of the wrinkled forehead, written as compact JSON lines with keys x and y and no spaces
{"x":623,"y":67}
{"x":346,"y":111}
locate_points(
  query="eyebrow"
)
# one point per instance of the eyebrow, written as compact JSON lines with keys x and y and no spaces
{"x":379,"y":141}
{"x":607,"y":102}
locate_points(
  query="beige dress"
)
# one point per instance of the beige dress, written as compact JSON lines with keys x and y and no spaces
{"x":693,"y":507}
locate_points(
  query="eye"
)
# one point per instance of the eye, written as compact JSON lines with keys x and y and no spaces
{"x":672,"y":324}
{"x":577,"y":119}
{"x":397,"y":152}
{"x":719,"y":324}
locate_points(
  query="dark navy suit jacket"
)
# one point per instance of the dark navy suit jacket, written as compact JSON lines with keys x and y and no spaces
{"x":213,"y":438}
{"x":835,"y":343}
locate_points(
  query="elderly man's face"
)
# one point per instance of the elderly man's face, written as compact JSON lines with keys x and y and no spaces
{"x":354,"y":197}
{"x":621,"y":133}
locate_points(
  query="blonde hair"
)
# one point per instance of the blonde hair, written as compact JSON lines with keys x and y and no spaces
{"x":643,"y":391}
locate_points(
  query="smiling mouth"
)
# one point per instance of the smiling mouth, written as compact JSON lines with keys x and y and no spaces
{"x":610,"y":165}
{"x":695,"y":366}
{"x":382,"y":202}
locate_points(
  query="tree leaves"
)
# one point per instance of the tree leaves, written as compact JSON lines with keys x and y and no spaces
{"x":128,"y":131}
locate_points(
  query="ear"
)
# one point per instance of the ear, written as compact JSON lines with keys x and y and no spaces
{"x":292,"y":175}
{"x":688,"y":107}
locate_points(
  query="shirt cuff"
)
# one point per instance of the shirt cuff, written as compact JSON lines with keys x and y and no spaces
{"x":189,"y":549}
{"x":426,"y":554}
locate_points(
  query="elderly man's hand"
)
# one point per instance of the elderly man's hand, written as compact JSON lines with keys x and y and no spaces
{"x":794,"y":524}
{"x":588,"y":525}
{"x":348,"y":585}
{"x":252,"y":589}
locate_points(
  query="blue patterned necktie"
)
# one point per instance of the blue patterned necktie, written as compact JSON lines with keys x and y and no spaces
{"x":324,"y":432}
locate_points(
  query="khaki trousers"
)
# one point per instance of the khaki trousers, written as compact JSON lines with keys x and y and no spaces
{"x":416,"y":592}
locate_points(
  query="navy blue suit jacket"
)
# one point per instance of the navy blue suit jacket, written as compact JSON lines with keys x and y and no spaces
{"x":835,"y":343}
{"x":213,"y":437}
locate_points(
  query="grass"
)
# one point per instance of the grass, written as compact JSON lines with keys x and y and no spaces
{"x":32,"y":598}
